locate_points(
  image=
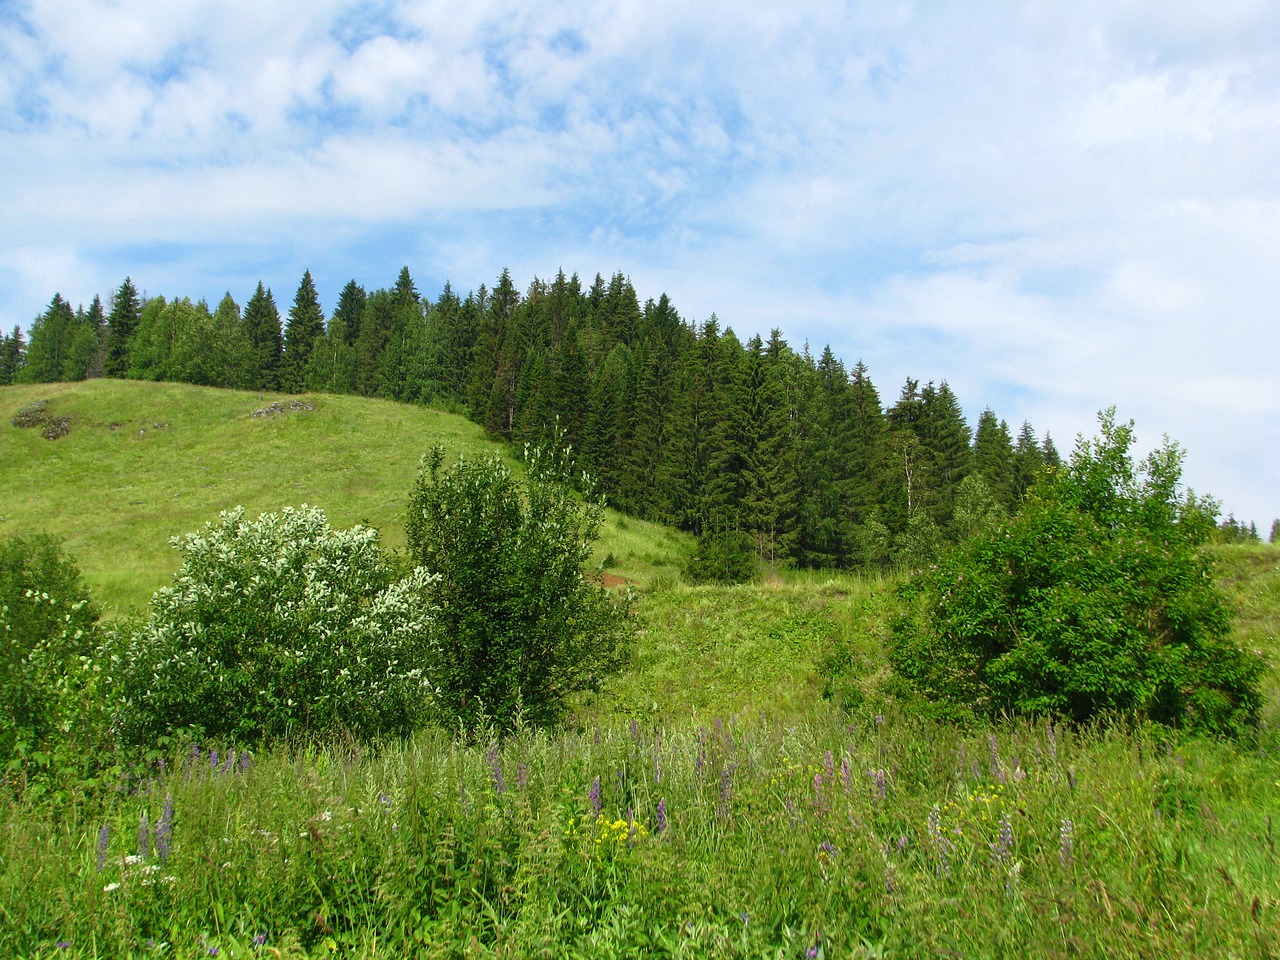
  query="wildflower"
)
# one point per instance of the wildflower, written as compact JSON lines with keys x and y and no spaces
{"x":63,"y":944}
{"x":817,"y":790}
{"x":660,"y":819}
{"x":594,"y":796}
{"x":259,"y":939}
{"x":846,"y":774}
{"x":828,"y":850}
{"x":213,"y":759}
{"x":110,"y":887}
{"x":1002,"y":849}
{"x":104,"y":844}
{"x":522,"y":777}
{"x":828,"y":762}
{"x":878,"y":777}
{"x":878,"y":719}
{"x":941,"y":845}
{"x":1066,"y":842}
{"x":144,"y":838}
{"x":635,"y":730}
{"x":495,"y":769}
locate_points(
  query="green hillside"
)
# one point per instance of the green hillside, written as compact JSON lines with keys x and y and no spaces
{"x":142,"y":462}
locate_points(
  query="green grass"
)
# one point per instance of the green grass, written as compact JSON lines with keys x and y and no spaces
{"x":144,"y":462}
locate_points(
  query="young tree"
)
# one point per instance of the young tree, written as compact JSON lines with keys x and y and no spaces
{"x":13,"y":352}
{"x":520,"y":627}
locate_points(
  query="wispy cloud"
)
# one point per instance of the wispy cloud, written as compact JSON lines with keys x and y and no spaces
{"x":1054,"y":206}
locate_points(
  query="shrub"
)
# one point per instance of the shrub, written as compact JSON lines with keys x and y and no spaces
{"x":48,"y":631}
{"x":520,"y":627}
{"x":1094,"y":598}
{"x":276,"y":627}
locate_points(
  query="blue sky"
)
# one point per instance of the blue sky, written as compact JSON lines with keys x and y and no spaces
{"x":1054,"y":206}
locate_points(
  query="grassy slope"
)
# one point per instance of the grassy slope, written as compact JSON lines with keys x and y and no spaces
{"x":147,"y":461}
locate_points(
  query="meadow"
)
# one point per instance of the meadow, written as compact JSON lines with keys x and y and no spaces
{"x":732,"y":794}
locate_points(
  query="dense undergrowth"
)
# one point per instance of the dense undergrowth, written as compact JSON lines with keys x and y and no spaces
{"x":761,"y":836}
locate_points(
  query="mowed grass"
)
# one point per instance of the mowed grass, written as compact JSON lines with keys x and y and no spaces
{"x":144,"y":462}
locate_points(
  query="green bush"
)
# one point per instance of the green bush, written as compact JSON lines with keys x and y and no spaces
{"x":520,"y":627}
{"x":1093,"y":599}
{"x":48,"y":633}
{"x":279,"y":627}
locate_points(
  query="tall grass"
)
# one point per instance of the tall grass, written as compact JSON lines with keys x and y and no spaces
{"x":884,"y":836}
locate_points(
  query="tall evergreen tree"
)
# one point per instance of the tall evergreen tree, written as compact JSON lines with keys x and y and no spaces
{"x":262,"y":326}
{"x":350,"y":310}
{"x":305,"y":327}
{"x":126,"y":313}
{"x":1028,"y":460}
{"x":377,"y":327}
{"x":13,"y":352}
{"x":994,"y":458}
{"x":49,"y":342}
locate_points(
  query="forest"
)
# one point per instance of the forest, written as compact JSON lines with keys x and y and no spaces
{"x":757,"y":448}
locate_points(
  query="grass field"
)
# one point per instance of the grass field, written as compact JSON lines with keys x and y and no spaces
{"x":144,"y":462}
{"x":708,"y":802}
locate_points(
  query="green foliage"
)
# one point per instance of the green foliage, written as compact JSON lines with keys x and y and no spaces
{"x":724,"y":556}
{"x":278,"y":627}
{"x":520,"y":628}
{"x":48,"y":631}
{"x":1093,"y":599}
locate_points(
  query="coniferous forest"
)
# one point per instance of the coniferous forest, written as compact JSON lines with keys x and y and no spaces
{"x":757,"y":446}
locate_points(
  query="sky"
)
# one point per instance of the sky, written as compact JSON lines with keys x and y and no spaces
{"x":1055,"y":207}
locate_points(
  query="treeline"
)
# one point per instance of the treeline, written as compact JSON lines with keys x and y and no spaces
{"x":755,"y":447}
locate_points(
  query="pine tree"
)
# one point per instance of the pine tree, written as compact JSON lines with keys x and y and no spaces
{"x":305,"y":327}
{"x":1028,"y":461}
{"x":97,"y":319}
{"x":82,"y":339}
{"x":262,"y":326}
{"x":122,"y":322}
{"x":377,"y":327}
{"x":607,"y":439}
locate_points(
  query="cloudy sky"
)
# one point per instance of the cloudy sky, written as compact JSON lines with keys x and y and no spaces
{"x":1054,"y":206}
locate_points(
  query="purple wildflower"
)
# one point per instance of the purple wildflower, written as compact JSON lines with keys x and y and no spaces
{"x":828,"y":849}
{"x":829,"y":763}
{"x":593,"y":794}
{"x":878,"y":777}
{"x":164,"y":830}
{"x":846,"y":774}
{"x":1002,"y":849}
{"x":213,"y":759}
{"x":726,"y":784}
{"x":495,"y":769}
{"x":63,"y":944}
{"x":260,"y":939}
{"x":941,"y":845}
{"x":878,"y":719}
{"x":660,"y":818}
{"x":144,"y":837}
{"x":104,"y":845}
{"x":522,"y":777}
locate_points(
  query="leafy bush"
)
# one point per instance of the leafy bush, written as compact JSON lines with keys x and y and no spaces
{"x":520,"y":627}
{"x":48,"y":630}
{"x":1094,"y":598}
{"x":276,"y":627}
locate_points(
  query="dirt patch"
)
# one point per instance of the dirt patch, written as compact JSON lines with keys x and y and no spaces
{"x":277,"y":408}
{"x":611,"y":581}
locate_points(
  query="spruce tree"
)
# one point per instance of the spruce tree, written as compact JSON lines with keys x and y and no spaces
{"x":994,"y":458}
{"x":13,"y":351}
{"x":262,"y":326}
{"x":47,"y":347}
{"x":126,"y":314}
{"x":305,"y":327}
{"x":350,"y":310}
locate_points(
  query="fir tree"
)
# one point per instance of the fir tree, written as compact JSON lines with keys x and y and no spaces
{"x":993,"y":457}
{"x":262,"y":326}
{"x":122,"y":322}
{"x":13,"y":351}
{"x":305,"y":327}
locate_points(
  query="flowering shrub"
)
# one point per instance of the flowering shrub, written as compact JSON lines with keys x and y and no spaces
{"x":275,"y":627}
